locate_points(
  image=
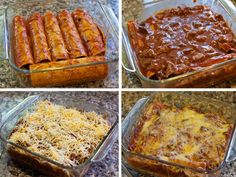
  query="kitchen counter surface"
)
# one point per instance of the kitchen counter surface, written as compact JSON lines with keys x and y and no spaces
{"x":108,"y":167}
{"x":130,"y":98}
{"x":8,"y":79}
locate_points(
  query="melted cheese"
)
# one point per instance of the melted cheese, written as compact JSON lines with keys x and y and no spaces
{"x":65,"y":135}
{"x":183,"y":136}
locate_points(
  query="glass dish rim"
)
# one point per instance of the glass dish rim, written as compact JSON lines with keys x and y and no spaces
{"x":148,"y":100}
{"x":133,"y":59}
{"x":27,"y":71}
{"x":98,"y":148}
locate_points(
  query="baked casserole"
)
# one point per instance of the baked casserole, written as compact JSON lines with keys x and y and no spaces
{"x":175,"y":139}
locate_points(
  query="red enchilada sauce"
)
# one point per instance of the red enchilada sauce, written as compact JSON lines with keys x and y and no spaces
{"x":176,"y":41}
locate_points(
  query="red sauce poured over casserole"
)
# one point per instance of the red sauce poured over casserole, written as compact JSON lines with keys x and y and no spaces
{"x":176,"y":41}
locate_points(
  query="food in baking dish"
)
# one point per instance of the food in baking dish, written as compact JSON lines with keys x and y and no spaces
{"x":184,"y":136}
{"x":52,"y":37}
{"x":38,"y":38}
{"x":68,"y":76}
{"x":71,"y":35}
{"x":22,"y":51}
{"x":179,"y":40}
{"x":91,"y":34}
{"x":66,"y":136}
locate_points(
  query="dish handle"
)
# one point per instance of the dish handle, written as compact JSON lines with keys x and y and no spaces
{"x":114,"y":25}
{"x":126,"y":171}
{"x":129,"y":54}
{"x":106,"y":145}
{"x":232,"y":150}
{"x":19,"y":108}
{"x":126,"y":122}
{"x":3,"y":35}
{"x":112,"y":19}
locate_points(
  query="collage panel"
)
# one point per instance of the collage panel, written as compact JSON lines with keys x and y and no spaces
{"x":178,"y":43}
{"x":59,"y":134}
{"x":90,"y":88}
{"x":68,"y":43}
{"x":178,"y":134}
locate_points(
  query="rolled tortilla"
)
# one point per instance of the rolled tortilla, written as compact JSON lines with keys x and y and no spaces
{"x":21,"y":45}
{"x":38,"y":39}
{"x":70,"y":34}
{"x":90,"y":33}
{"x":68,"y":76}
{"x":54,"y":37}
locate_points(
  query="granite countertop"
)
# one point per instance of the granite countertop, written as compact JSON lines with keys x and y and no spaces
{"x":130,"y":98}
{"x":7,"y":76}
{"x":130,"y":10}
{"x":108,"y":167}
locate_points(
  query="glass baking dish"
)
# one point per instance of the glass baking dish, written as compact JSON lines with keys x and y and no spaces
{"x":204,"y":77}
{"x":141,"y":163}
{"x":103,"y":17}
{"x":40,"y":163}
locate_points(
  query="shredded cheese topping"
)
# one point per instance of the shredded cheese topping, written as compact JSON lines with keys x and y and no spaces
{"x":182,"y":136}
{"x":64,"y":135}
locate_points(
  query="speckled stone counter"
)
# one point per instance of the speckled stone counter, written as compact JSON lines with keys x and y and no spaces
{"x":130,"y":98}
{"x":8,"y":79}
{"x":108,"y":167}
{"x":130,"y":10}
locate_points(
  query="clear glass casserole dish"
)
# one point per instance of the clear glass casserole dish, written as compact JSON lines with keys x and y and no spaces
{"x":103,"y":17}
{"x":203,"y":77}
{"x":42,"y":163}
{"x":153,"y":165}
